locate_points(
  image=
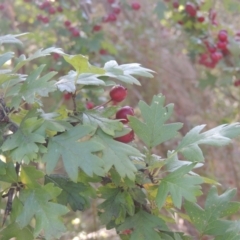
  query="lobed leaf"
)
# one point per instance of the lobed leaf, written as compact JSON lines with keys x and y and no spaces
{"x":81,"y":64}
{"x":208,"y":220}
{"x":217,"y":136}
{"x":75,"y":152}
{"x":153,"y":131}
{"x":117,"y":154}
{"x":179,"y":185}
{"x":144,"y":226}
{"x":124,"y":72}
{"x":36,"y":204}
{"x":107,"y":125}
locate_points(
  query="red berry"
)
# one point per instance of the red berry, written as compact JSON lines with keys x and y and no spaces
{"x":45,"y":4}
{"x":136,"y":6}
{"x":75,"y":32}
{"x":191,"y":10}
{"x":123,"y":113}
{"x":67,"y":96}
{"x":118,"y":93}
{"x":111,"y":1}
{"x":175,"y":4}
{"x":127,"y":232}
{"x":52,"y":10}
{"x":222,"y":36}
{"x":45,"y":19}
{"x":103,"y":51}
{"x":126,"y":138}
{"x":201,"y":19}
{"x":2,"y":7}
{"x":216,"y":56}
{"x":211,"y":48}
{"x":116,"y":10}
{"x":56,"y":56}
{"x":219,"y":55}
{"x":111,"y":17}
{"x":203,"y":56}
{"x":237,"y":83}
{"x":59,"y":9}
{"x":67,"y":23}
{"x":97,"y":28}
{"x":89,"y":105}
{"x":222,"y":45}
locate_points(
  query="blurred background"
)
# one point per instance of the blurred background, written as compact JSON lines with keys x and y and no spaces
{"x":196,"y":69}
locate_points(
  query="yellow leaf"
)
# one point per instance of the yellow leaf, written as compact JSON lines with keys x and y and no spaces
{"x":169,"y":202}
{"x":81,"y":64}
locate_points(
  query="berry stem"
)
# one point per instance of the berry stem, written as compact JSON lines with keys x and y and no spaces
{"x":74,"y":103}
{"x":103,"y":104}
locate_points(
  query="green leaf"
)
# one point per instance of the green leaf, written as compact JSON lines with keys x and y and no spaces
{"x":108,"y":126}
{"x":51,"y":126}
{"x":117,"y":205}
{"x":8,"y":172}
{"x":174,"y":236}
{"x":117,"y":154}
{"x":193,"y":153}
{"x":13,"y":230}
{"x":67,"y":82}
{"x":207,"y":220}
{"x":124,"y":72}
{"x":5,"y":57}
{"x":217,"y":136}
{"x":228,"y":236}
{"x":153,"y":131}
{"x":12,"y":39}
{"x":29,"y":176}
{"x":138,"y":195}
{"x":179,"y":185}
{"x":39,"y":53}
{"x":37,"y":205}
{"x":2,"y":168}
{"x":77,"y":195}
{"x":76,"y":151}
{"x":24,"y":143}
{"x":173,"y":163}
{"x":8,"y":80}
{"x":144,"y":226}
{"x":35,"y":86}
{"x":81,"y":64}
{"x":160,"y":10}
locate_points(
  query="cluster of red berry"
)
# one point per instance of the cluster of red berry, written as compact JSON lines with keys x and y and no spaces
{"x":73,"y":30}
{"x":215,"y":47}
{"x":191,"y":10}
{"x":48,"y":7}
{"x":117,"y":94}
{"x":115,"y":10}
{"x":215,"y":51}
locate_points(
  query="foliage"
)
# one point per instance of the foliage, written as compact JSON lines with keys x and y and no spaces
{"x":141,"y":192}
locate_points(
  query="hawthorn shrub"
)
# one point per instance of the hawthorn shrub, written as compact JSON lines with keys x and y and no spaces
{"x":142,"y":194}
